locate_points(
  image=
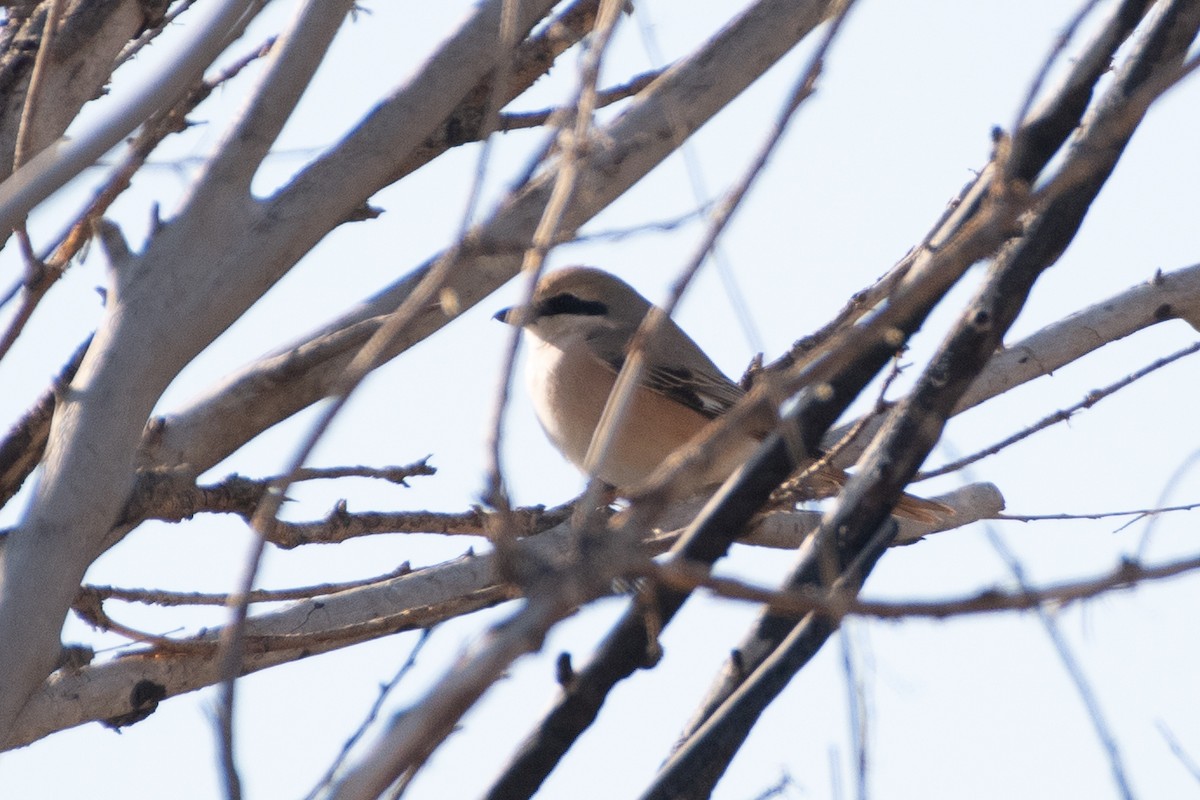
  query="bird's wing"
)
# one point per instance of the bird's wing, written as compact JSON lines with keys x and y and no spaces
{"x":701,"y":387}
{"x":709,"y":394}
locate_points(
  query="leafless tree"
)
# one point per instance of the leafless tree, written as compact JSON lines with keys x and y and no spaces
{"x":108,"y":462}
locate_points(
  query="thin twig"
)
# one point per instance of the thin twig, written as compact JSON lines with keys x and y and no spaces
{"x":25,"y":130}
{"x":1177,"y":750}
{"x":1135,"y":512}
{"x":660,"y":226}
{"x":700,"y":193}
{"x":150,"y":34}
{"x":807,"y":484}
{"x":34,"y":268}
{"x":1062,"y":415}
{"x":371,"y":716}
{"x":365,"y":360}
{"x":1058,"y":48}
{"x":397,"y":475}
{"x":340,"y":525}
{"x":838,"y":604}
{"x":153,"y":131}
{"x":160,"y":597}
{"x":12,"y":291}
{"x":416,"y":733}
{"x":1172,"y":481}
{"x":782,"y":785}
{"x":630,"y":375}
{"x":173,"y":496}
{"x":495,"y":493}
{"x":856,"y":705}
{"x":604,"y":98}
{"x":571,"y":140}
{"x":1067,"y":656}
{"x":89,"y":607}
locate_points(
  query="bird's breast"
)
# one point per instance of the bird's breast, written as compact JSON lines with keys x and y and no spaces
{"x":570,"y":387}
{"x":569,"y":390}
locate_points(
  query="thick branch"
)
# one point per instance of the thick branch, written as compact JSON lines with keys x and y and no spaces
{"x":778,"y":648}
{"x":23,"y":445}
{"x":414,"y":599}
{"x":62,"y":160}
{"x":977,"y":225}
{"x":79,"y":66}
{"x":1165,"y":297}
{"x":212,"y":262}
{"x":656,"y":122}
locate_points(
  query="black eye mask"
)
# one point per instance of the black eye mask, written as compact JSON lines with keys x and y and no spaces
{"x":570,"y":304}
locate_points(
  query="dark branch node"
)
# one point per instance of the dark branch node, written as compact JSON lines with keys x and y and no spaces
{"x":143,"y":700}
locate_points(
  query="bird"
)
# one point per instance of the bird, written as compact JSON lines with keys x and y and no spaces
{"x":580,"y":323}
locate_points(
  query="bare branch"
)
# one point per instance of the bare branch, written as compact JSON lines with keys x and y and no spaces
{"x":412,"y":599}
{"x":572,"y":141}
{"x":840,"y":603}
{"x":1164,"y":298}
{"x":75,"y":69}
{"x":776,"y":649}
{"x":151,"y":33}
{"x":1139,"y":512}
{"x":36,"y":79}
{"x":61,"y":161}
{"x":298,"y":54}
{"x":633,"y":144}
{"x":1062,"y":415}
{"x":160,"y":597}
{"x":340,"y":525}
{"x":604,"y":98}
{"x":414,"y":734}
{"x":23,"y":445}
{"x":1070,"y":663}
{"x":372,"y":713}
{"x":1178,"y":751}
{"x":139,"y":353}
{"x":160,"y":125}
{"x":397,"y":475}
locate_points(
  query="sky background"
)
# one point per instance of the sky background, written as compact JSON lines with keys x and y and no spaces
{"x":976,"y":706}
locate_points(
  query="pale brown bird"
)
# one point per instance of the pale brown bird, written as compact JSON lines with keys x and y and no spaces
{"x":581,"y":322}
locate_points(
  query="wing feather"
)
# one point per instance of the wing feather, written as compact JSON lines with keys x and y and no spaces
{"x":701,"y":387}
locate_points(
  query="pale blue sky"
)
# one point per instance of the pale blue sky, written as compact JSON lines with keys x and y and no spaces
{"x":977,"y":707}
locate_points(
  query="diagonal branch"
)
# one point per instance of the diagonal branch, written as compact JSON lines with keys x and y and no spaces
{"x":1062,"y":415}
{"x":672,"y":108}
{"x":213,"y":261}
{"x":414,"y":598}
{"x":62,"y":160}
{"x":838,"y":378}
{"x":1165,"y":297}
{"x":1044,"y":132}
{"x":778,"y":648}
{"x":159,"y":125}
{"x":840,"y":603}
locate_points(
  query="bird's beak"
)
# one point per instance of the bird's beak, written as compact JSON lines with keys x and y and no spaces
{"x":514,"y":315}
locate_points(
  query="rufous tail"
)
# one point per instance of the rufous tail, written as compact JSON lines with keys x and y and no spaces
{"x":828,"y":480}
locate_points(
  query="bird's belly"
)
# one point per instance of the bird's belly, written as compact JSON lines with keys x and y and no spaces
{"x":569,"y":396}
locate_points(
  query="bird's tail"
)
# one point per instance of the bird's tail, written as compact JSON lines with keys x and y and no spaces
{"x":827,"y":480}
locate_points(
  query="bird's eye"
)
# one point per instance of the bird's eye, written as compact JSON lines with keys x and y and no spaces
{"x":570,"y":304}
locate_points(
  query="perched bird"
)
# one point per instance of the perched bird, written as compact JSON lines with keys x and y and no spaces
{"x":581,"y":322}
